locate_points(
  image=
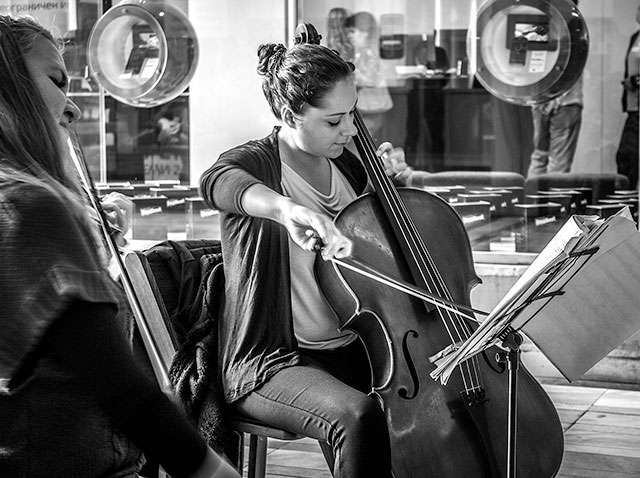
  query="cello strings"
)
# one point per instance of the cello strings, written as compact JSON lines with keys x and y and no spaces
{"x":419,"y":252}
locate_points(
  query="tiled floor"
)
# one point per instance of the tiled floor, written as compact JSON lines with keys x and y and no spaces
{"x":602,"y":438}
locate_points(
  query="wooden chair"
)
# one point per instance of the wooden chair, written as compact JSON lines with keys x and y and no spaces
{"x":154,"y":289}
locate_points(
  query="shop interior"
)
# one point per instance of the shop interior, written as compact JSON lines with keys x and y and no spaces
{"x":448,"y":122}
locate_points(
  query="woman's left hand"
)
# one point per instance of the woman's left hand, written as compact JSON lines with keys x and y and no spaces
{"x":394,"y":161}
{"x":118,"y":209}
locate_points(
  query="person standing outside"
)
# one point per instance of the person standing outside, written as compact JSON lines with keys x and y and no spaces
{"x":337,"y":34}
{"x":627,"y":155}
{"x":556,"y":128}
{"x":374,"y":99}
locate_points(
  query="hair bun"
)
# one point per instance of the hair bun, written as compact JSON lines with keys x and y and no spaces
{"x":270,"y":57}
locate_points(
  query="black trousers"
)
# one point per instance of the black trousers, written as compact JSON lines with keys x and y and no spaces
{"x":627,"y":155}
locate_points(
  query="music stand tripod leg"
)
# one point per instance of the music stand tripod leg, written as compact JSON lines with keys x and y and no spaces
{"x":512,"y":359}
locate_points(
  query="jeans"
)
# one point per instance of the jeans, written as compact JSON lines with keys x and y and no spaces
{"x":555,"y":138}
{"x":314,"y":399}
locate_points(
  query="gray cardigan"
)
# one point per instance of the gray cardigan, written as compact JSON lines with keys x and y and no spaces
{"x":256,"y":336}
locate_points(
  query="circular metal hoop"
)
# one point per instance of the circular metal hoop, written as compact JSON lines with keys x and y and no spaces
{"x":529,"y":69}
{"x":143,"y":53}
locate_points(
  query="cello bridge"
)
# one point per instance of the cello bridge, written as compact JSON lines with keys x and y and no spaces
{"x":474,"y":397}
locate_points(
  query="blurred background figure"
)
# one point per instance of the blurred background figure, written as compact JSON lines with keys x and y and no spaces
{"x":627,"y":155}
{"x":337,"y":35}
{"x":556,"y":127}
{"x":513,"y":129}
{"x":426,"y":101}
{"x":172,"y":125}
{"x":374,"y":99}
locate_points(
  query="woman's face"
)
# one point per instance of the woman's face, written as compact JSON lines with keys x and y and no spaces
{"x":358,"y":38}
{"x":49,"y":73}
{"x":325,"y":131}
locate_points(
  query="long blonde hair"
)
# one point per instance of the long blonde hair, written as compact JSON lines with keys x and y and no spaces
{"x":30,"y":140}
{"x":31,"y":146}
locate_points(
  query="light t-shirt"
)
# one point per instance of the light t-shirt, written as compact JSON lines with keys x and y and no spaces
{"x":314,"y":322}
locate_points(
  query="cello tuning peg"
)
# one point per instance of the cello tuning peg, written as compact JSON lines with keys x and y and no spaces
{"x":306,"y":33}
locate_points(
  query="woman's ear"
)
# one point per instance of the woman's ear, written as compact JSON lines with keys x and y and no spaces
{"x":288,"y":117}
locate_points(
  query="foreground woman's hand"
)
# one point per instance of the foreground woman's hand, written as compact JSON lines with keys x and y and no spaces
{"x":118,"y":209}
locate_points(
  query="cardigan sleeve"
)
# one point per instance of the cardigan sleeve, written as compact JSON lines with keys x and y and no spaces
{"x":224,"y":183}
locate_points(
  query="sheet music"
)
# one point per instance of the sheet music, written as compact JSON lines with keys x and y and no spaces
{"x":559,"y":269}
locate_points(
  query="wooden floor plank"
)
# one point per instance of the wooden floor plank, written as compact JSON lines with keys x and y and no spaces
{"x":589,"y":465}
{"x":585,"y":439}
{"x":295,"y":472}
{"x":569,"y":397}
{"x":304,"y":444}
{"x":301,"y":459}
{"x":620,"y":401}
{"x":615,"y":423}
{"x":569,"y":417}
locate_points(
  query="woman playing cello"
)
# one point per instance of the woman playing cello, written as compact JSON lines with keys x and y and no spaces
{"x":284,"y":361}
{"x":293,"y":354}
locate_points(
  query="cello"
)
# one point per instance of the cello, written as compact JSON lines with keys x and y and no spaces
{"x":436,"y":431}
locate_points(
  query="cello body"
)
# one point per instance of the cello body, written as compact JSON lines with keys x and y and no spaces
{"x":435,"y":430}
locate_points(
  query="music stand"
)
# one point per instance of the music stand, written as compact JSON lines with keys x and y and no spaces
{"x":511,"y":339}
{"x":564,"y":291}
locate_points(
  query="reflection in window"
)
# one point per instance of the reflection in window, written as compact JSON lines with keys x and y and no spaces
{"x":469,"y":146}
{"x":148,"y":144}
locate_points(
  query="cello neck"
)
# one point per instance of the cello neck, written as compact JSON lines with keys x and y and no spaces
{"x":415,"y":253}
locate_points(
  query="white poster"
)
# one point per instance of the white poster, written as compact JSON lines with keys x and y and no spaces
{"x":58,"y":16}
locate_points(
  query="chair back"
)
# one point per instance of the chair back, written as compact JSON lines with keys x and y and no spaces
{"x":176,"y":269}
{"x":153,"y":309}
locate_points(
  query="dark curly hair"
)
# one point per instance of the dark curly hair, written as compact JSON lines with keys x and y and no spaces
{"x":301,"y":75}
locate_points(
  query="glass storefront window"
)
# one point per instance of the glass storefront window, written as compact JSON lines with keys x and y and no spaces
{"x":424,"y":66}
{"x":83,"y":89}
{"x":470,"y":147}
{"x":496,"y":158}
{"x":148,"y":144}
{"x":141,"y":152}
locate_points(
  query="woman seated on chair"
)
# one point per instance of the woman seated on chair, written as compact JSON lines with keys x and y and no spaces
{"x":283,"y":360}
{"x":73,"y":400}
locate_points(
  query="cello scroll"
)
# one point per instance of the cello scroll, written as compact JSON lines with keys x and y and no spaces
{"x":306,"y":33}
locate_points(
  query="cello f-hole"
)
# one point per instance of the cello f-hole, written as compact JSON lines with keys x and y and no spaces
{"x":403,"y":392}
